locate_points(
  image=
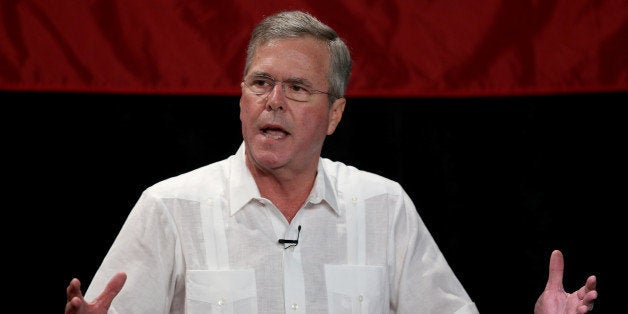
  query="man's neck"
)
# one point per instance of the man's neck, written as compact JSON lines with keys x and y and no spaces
{"x":287,"y":191}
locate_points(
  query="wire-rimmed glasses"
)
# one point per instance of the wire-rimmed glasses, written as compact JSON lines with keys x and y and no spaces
{"x":294,"y":89}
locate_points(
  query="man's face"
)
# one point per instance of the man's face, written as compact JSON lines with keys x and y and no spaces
{"x":280,"y":133}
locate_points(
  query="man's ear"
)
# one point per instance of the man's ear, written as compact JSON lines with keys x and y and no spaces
{"x":336,"y":110}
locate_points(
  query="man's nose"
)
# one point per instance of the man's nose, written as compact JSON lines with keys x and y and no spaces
{"x":276,"y":99}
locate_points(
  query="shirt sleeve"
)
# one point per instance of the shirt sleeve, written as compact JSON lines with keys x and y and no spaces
{"x":146,"y":248}
{"x":424,"y":281}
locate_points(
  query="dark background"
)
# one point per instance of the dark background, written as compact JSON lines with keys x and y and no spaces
{"x":500,"y":182}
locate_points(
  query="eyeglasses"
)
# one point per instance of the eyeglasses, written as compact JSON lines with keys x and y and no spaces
{"x":297,"y":91}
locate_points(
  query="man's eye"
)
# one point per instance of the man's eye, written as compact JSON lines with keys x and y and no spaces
{"x":261,"y":82}
{"x":298,"y":88}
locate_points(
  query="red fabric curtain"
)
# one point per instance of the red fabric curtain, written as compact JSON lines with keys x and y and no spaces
{"x":400,"y":48}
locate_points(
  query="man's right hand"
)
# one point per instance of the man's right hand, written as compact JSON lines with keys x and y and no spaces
{"x":77,"y":305}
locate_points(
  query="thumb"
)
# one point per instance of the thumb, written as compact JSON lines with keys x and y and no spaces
{"x":556,"y":268}
{"x":111,"y":290}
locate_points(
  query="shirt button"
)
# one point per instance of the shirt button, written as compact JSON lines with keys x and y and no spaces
{"x":221,"y":302}
{"x":295,"y":306}
{"x":354,"y":200}
{"x":360,"y":298}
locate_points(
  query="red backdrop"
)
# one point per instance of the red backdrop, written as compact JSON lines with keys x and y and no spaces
{"x":400,"y":48}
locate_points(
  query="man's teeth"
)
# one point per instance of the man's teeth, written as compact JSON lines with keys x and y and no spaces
{"x":274,"y":135}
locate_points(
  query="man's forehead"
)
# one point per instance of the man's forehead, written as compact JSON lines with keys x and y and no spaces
{"x":298,"y":58}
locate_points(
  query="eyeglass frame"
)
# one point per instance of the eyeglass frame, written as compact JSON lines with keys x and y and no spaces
{"x":283,"y":83}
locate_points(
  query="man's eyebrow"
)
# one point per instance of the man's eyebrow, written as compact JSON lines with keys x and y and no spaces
{"x":262,"y":74}
{"x":291,"y":80}
{"x":298,"y":80}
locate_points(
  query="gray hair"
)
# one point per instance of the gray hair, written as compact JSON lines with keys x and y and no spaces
{"x":290,"y":24}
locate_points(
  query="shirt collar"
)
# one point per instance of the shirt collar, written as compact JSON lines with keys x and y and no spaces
{"x":323,"y":189}
{"x":242,"y":187}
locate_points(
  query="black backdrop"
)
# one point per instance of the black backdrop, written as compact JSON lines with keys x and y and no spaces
{"x":499,"y":181}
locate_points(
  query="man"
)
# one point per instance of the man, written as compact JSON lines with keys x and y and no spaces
{"x":275,"y":228}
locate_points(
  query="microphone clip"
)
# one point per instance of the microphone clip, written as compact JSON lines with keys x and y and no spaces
{"x":289,"y":241}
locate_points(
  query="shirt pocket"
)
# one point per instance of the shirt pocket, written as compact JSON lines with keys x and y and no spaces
{"x":357,"y":289}
{"x":221,"y":291}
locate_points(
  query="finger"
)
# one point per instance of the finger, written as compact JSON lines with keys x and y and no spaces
{"x":588,"y":289}
{"x":589,"y":298}
{"x":591,"y":283}
{"x":111,"y":290}
{"x":582,"y":309}
{"x":74,"y":290}
{"x":73,"y":306}
{"x":556,"y":268}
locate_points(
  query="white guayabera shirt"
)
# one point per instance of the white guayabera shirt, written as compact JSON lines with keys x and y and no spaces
{"x":207,"y":242}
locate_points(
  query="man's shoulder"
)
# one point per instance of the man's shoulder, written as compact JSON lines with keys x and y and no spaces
{"x":193,"y":182}
{"x":353,"y":176}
